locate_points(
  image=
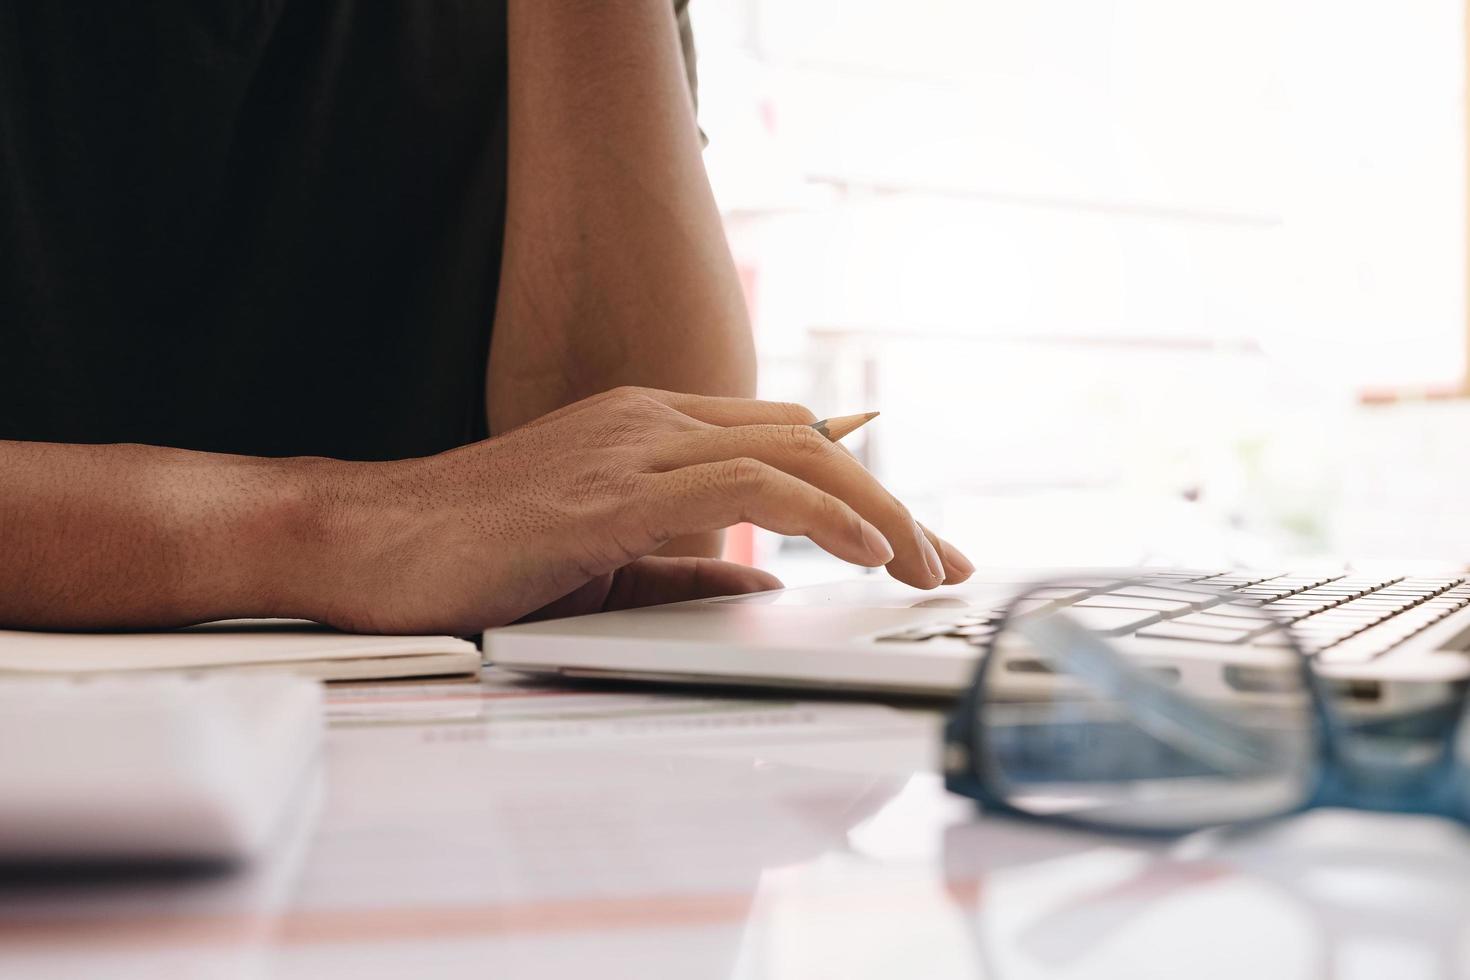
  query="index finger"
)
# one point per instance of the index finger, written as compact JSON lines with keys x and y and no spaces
{"x":722,"y":411}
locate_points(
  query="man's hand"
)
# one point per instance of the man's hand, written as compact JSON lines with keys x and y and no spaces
{"x":559,"y":515}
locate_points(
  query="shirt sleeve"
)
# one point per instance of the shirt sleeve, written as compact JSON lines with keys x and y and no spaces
{"x":686,"y":43}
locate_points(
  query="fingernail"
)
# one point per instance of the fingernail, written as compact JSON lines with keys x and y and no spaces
{"x":951,"y":555}
{"x":931,"y":557}
{"x":958,"y":560}
{"x":876,"y":543}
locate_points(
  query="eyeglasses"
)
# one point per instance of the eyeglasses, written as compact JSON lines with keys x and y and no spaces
{"x":1172,"y":729}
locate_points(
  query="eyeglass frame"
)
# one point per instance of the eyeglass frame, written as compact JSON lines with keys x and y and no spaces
{"x":1336,"y":780}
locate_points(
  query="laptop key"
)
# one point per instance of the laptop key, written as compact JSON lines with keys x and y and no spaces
{"x":1287,"y":615}
{"x":1296,"y":582}
{"x":1022,"y":607}
{"x":1168,"y":607}
{"x":1245,"y":609}
{"x":906,"y":636}
{"x":1233,"y":624}
{"x":1334,"y":592}
{"x":1179,"y":574}
{"x":1437,"y":584}
{"x":1195,"y":597}
{"x":1363,"y":618}
{"x":1309,"y":605}
{"x":1351,"y":652}
{"x":1391,"y":603}
{"x":1111,"y":622}
{"x":1234,"y":581}
{"x":1059,"y":594}
{"x":1176,"y":630}
{"x":968,"y":631}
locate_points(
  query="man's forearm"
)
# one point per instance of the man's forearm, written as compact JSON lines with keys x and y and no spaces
{"x":616,"y":269}
{"x":99,"y":537}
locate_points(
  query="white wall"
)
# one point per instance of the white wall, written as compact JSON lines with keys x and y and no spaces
{"x":1288,"y":170}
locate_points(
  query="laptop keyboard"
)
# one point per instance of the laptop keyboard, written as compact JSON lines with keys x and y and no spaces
{"x":1342,"y":619}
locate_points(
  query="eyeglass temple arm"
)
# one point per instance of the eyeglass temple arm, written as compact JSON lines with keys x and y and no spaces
{"x":1174,"y":718}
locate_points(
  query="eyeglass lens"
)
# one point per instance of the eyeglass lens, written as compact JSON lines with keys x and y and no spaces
{"x":1148,"y":732}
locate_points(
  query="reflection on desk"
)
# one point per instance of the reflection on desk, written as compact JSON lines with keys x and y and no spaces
{"x":497,"y":829}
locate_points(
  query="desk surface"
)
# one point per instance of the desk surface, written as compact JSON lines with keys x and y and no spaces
{"x":494,"y":829}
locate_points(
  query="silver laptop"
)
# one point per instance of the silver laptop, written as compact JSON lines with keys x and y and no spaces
{"x":1389,"y":641}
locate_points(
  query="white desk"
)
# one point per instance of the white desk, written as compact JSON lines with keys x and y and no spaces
{"x":498,"y":831}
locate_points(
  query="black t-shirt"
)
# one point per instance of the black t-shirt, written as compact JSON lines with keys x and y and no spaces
{"x":269,"y":227}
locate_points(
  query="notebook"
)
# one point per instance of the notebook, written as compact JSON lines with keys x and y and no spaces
{"x":293,"y":646}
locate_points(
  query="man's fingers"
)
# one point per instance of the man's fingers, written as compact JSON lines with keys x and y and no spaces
{"x":714,"y":410}
{"x":737,"y":411}
{"x":711,"y":432}
{"x":957,"y":567}
{"x":807,"y":455}
{"x":709,"y":495}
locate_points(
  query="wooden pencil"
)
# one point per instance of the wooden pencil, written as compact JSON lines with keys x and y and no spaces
{"x":836,"y":428}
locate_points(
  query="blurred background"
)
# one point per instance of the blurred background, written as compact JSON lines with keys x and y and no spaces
{"x":1130,"y":280}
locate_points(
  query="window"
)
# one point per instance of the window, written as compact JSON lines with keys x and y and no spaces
{"x":1118,"y":273}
